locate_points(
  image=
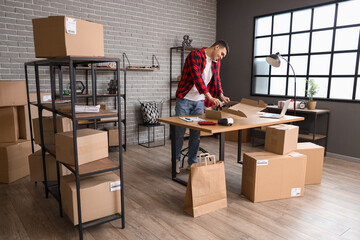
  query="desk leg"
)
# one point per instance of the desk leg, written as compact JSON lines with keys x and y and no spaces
{"x":239,"y":148}
{"x":222,"y":146}
{"x":173,"y":157}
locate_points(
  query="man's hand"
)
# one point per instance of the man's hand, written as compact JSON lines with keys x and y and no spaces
{"x":225,"y":99}
{"x":216,"y":101}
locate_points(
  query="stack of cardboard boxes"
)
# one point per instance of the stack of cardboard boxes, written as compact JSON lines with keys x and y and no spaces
{"x":98,"y":193}
{"x":14,"y":131}
{"x":284,"y":168}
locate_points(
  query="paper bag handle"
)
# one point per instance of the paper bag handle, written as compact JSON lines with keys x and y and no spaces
{"x":203,"y":156}
{"x":208,"y":158}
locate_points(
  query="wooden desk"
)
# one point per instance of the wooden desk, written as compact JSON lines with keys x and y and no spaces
{"x":239,"y":124}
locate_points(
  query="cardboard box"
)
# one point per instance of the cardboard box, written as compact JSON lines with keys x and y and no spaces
{"x":246,"y":108}
{"x":14,"y":124}
{"x":60,"y":36}
{"x":269,"y":176}
{"x":63,"y":124}
{"x":36,"y":167}
{"x":13,"y":160}
{"x":233,"y":136}
{"x":315,"y":161}
{"x":99,"y":196}
{"x":281,"y":139}
{"x":12,"y":93}
{"x":113,"y":135}
{"x":91,"y":145}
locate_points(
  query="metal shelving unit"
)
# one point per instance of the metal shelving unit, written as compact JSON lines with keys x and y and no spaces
{"x":95,"y":167}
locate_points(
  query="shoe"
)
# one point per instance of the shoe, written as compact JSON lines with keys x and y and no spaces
{"x":177,"y":166}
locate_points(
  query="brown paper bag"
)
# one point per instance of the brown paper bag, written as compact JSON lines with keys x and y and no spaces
{"x":206,"y":189}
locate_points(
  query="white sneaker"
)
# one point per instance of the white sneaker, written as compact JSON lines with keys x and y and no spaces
{"x":177,"y":166}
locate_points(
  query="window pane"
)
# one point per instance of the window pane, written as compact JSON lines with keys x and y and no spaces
{"x":262,"y":46}
{"x":321,"y":41}
{"x":299,"y":64}
{"x":282,"y":23}
{"x":277,"y":86}
{"x":348,"y":13}
{"x":357,"y":96}
{"x":324,"y":16}
{"x":300,"y":87}
{"x":261,"y":67}
{"x":300,"y":43}
{"x":344,"y":64}
{"x":281,"y":70}
{"x":347,"y":39}
{"x":261,"y":85}
{"x":281,"y":44}
{"x":342,"y":88}
{"x":263,"y":26}
{"x":323,"y":87}
{"x":320,"y":64}
{"x":301,"y":20}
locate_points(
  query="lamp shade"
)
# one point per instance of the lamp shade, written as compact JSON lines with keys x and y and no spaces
{"x":273,"y":60}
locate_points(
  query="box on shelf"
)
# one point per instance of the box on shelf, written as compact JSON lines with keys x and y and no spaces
{"x":269,"y":176}
{"x":63,"y":124}
{"x":113,"y":135}
{"x":12,"y":93}
{"x":281,"y":138}
{"x":233,"y":136}
{"x":36,"y":167}
{"x":13,"y":160}
{"x":61,"y":36}
{"x":99,"y":196}
{"x":315,"y":161}
{"x":246,"y":108}
{"x":92,"y":145}
{"x":14,"y":124}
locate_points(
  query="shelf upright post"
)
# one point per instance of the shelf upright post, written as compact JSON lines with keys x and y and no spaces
{"x":53,"y":96}
{"x":93,"y":85}
{"x":37,"y":81}
{"x":75,"y":125}
{"x":124,"y":106}
{"x":29,"y":109}
{"x":120,"y":145}
{"x":61,"y":88}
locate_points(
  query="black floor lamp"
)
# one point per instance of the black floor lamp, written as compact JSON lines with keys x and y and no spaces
{"x":274,"y":60}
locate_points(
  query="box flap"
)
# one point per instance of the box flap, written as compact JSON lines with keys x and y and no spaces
{"x":246,"y":108}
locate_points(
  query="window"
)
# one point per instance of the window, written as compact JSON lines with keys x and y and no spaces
{"x":320,"y":42}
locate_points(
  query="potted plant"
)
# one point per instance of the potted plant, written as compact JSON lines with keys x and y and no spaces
{"x":313,"y":88}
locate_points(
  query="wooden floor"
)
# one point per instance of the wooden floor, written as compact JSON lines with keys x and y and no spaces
{"x":154,"y":205}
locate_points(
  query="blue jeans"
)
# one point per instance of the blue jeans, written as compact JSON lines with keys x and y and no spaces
{"x":186,"y":107}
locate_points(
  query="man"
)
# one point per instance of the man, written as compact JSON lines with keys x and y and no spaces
{"x":200,"y":86}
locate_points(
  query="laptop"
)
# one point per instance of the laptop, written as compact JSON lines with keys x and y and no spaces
{"x":276,"y":115}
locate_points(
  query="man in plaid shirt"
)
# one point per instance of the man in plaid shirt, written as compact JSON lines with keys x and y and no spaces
{"x":200,"y":86}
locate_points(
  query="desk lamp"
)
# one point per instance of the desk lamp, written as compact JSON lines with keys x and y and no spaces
{"x":274,"y":60}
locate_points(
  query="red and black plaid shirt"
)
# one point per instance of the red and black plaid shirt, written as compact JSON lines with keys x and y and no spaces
{"x":193,"y":68}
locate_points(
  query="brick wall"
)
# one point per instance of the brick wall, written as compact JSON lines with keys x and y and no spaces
{"x":140,"y":28}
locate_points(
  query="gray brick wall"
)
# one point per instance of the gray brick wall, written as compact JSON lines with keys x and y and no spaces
{"x":140,"y":28}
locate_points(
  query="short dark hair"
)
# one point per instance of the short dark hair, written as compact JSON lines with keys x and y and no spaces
{"x":222,"y":44}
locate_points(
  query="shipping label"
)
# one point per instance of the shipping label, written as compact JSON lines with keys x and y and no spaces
{"x":70,"y":25}
{"x":114,"y":186}
{"x":262,"y":162}
{"x":295,"y":192}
